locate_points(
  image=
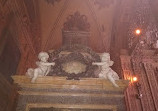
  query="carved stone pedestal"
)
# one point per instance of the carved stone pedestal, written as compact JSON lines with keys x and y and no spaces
{"x":58,"y":94}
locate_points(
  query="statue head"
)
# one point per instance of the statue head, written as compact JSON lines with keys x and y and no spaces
{"x":105,"y":57}
{"x":43,"y":56}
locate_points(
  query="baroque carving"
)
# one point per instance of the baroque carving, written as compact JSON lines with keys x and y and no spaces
{"x":76,"y":22}
{"x":76,"y":30}
{"x":74,"y":57}
{"x":43,"y":68}
{"x":106,"y":71}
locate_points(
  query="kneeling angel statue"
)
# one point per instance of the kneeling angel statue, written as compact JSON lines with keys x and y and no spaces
{"x":43,"y":68}
{"x":106,"y":71}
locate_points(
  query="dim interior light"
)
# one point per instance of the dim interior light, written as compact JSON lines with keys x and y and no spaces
{"x":137,"y":31}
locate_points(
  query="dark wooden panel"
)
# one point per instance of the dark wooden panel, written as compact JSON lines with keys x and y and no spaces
{"x":7,"y":95}
{"x":9,"y":57}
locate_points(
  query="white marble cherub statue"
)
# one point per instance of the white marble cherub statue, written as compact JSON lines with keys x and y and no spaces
{"x":106,"y":71}
{"x":43,"y":68}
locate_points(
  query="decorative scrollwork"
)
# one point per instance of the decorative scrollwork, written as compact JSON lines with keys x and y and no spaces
{"x":83,"y":55}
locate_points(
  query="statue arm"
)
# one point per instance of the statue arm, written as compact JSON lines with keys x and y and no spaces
{"x":98,"y":63}
{"x":48,"y":70}
{"x":48,"y":64}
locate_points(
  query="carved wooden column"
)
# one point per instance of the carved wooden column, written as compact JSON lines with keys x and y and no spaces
{"x":132,"y":103}
{"x":143,"y":85}
{"x":143,"y":68}
{"x":151,"y":80}
{"x":152,"y":84}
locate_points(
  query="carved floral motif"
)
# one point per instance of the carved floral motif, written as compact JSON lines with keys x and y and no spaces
{"x":76,"y":22}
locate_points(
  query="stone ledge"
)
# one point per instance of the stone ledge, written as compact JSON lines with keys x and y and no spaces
{"x":61,"y":82}
{"x":74,"y":106}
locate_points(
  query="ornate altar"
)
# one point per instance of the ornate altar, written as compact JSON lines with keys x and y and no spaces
{"x":71,"y":85}
{"x":86,"y":94}
{"x":73,"y":82}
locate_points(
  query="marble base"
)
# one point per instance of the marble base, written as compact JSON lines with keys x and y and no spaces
{"x":87,"y":94}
